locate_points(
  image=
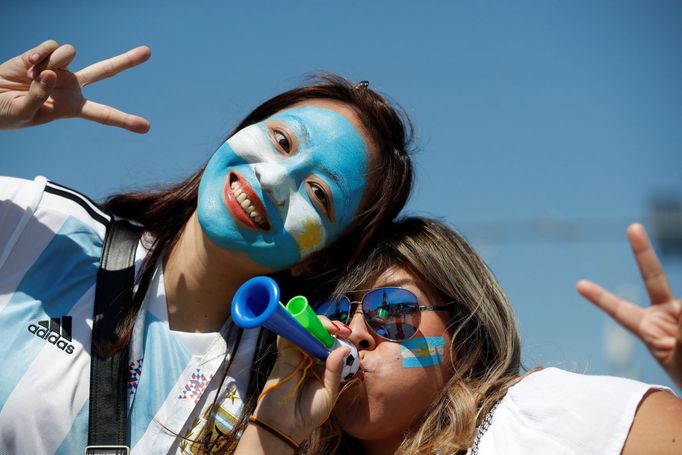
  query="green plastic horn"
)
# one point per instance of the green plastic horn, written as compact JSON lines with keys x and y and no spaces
{"x":298,"y":307}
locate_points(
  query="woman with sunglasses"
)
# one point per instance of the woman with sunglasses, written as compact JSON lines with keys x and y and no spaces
{"x":296,"y":189}
{"x":440,"y":366}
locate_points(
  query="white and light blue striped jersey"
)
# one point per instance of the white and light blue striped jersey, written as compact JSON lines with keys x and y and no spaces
{"x":51,"y":240}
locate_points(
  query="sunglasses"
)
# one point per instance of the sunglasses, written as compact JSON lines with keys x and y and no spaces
{"x":392,"y":313}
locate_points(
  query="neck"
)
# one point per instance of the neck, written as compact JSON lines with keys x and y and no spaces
{"x":201,"y":278}
{"x":386,"y":446}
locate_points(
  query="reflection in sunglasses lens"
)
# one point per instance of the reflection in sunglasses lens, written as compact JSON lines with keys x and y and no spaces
{"x":336,"y":310}
{"x":392,"y":312}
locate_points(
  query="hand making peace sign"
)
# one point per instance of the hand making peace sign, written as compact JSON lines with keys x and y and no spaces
{"x":37,"y":87}
{"x":660,"y":325}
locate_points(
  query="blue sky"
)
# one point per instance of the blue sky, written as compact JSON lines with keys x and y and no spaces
{"x":543,"y":127}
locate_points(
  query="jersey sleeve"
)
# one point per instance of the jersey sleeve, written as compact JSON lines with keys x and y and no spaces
{"x":19,"y":199}
{"x":556,"y":411}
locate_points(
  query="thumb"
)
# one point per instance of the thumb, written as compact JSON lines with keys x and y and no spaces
{"x":332,"y":372}
{"x":38,"y":92}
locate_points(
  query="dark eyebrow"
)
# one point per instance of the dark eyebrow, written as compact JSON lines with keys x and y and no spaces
{"x":398,"y":283}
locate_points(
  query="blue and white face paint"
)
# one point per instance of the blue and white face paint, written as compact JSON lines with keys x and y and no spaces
{"x":286,"y":187}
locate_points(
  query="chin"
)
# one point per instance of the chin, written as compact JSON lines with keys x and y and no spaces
{"x":353,"y":415}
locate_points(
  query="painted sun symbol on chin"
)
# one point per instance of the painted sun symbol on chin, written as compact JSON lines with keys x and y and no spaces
{"x":309,"y":237}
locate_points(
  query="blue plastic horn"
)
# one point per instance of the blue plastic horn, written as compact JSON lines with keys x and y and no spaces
{"x":256,"y":303}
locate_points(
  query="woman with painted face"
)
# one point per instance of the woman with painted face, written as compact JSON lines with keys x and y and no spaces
{"x":297,"y":189}
{"x":440,"y":365}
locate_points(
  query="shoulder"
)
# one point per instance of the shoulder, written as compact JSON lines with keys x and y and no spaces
{"x":564,"y":412}
{"x":49,"y":202}
{"x":61,"y":198}
{"x":22,"y":192}
{"x":656,"y":427}
{"x":30,"y":195}
{"x":34,"y":212}
{"x":568,"y":388}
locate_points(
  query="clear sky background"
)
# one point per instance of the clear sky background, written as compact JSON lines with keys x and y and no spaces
{"x":543,"y":128}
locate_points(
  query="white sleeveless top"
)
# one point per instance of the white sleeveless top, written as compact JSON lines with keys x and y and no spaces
{"x":553,"y":411}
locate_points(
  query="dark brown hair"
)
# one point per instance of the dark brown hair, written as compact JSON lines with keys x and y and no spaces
{"x":164,"y":211}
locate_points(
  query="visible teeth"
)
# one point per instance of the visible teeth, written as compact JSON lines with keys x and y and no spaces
{"x":247,"y":205}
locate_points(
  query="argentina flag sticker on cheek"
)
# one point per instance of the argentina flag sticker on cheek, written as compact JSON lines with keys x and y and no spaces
{"x":422,"y":352}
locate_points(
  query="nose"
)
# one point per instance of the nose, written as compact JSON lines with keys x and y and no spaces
{"x":362,"y":337}
{"x":275,"y":180}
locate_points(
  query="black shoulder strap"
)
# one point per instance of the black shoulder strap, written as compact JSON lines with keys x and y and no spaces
{"x":108,"y":421}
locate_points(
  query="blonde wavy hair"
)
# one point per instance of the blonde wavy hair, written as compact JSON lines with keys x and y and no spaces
{"x":485,"y":338}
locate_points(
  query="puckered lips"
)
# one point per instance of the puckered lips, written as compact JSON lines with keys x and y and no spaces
{"x":244,"y":204}
{"x":360,"y":373}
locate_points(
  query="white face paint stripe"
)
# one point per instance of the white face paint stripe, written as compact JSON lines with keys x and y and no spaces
{"x":252,"y":144}
{"x":305,"y":225}
{"x":301,"y":220}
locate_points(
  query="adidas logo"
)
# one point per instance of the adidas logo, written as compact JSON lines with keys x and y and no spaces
{"x":55,"y":332}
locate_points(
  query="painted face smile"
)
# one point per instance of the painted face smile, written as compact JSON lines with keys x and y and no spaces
{"x":285,"y":187}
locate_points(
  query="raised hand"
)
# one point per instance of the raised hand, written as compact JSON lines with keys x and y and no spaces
{"x":298,"y":396}
{"x":37,"y":87}
{"x":659,"y":326}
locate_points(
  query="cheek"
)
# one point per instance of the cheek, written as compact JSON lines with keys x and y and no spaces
{"x":393,"y":394}
{"x":346,"y":207}
{"x":423,"y":352}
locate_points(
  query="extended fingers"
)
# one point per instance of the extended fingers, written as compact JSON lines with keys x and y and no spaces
{"x":107,"y":115}
{"x":625,"y":313}
{"x":650,"y":268}
{"x":332,"y":372}
{"x":112,"y":66}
